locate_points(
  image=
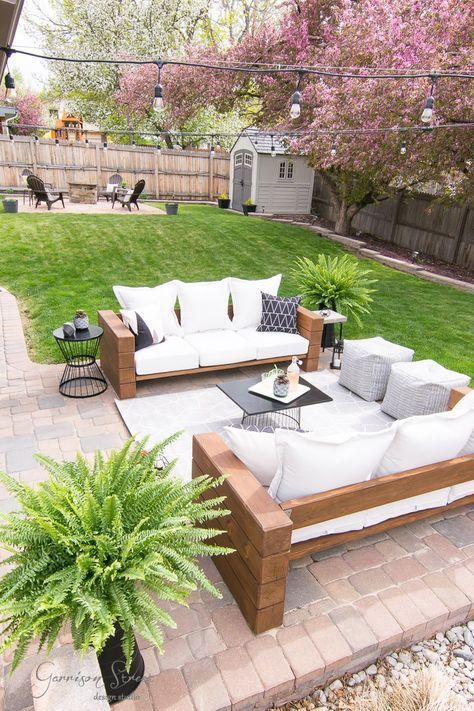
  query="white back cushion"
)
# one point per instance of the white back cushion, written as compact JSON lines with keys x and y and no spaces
{"x":466,"y":404}
{"x":162,"y":298}
{"x":256,"y":450}
{"x":247,"y":299}
{"x":308,"y":464}
{"x":204,"y":306}
{"x":426,"y":439}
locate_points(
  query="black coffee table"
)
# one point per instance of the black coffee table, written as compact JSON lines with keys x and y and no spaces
{"x":264,"y":412}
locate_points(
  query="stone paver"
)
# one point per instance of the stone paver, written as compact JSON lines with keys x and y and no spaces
{"x":343,"y":605}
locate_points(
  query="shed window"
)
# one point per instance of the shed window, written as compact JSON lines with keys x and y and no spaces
{"x":285,"y":170}
{"x":238,"y":159}
{"x":248,"y":159}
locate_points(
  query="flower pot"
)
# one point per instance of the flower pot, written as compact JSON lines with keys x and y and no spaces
{"x":280,"y":389}
{"x":249,"y":208}
{"x":10,"y":205}
{"x":171,"y":208}
{"x":81,"y":323}
{"x":118,"y":683}
{"x":223,"y":203}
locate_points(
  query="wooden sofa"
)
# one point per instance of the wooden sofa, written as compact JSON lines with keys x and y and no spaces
{"x":260,"y":530}
{"x":117,"y":352}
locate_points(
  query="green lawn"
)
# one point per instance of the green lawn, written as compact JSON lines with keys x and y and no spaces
{"x":56,"y":263}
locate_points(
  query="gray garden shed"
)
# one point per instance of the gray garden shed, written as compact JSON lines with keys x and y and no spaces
{"x":275,"y":181}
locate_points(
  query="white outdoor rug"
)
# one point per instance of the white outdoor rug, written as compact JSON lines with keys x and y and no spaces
{"x":209,"y":410}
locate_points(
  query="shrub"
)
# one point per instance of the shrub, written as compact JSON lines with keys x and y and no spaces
{"x":335,"y":282}
{"x":97,"y":544}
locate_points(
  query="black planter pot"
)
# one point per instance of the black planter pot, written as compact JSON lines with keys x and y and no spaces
{"x":223,"y":203}
{"x":171,"y":208}
{"x":118,"y":683}
{"x":10,"y":205}
{"x":249,"y":208}
{"x":328,"y":338}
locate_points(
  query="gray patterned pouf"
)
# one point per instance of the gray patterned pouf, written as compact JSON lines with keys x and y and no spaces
{"x":366,"y":365}
{"x":420,"y":388}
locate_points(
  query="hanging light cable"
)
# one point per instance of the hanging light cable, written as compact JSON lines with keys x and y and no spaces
{"x":295,"y":109}
{"x":158,"y":100}
{"x":427,"y":114}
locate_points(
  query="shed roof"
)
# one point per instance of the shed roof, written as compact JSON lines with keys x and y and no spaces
{"x":262,"y":141}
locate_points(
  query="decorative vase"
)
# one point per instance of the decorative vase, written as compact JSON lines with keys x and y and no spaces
{"x":281,"y":386}
{"x":81,"y":323}
{"x":118,"y":683}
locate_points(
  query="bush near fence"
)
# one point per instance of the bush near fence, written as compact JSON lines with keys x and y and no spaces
{"x":169,"y":174}
{"x":441,"y":230}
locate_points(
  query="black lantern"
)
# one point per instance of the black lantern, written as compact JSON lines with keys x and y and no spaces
{"x":337,"y":350}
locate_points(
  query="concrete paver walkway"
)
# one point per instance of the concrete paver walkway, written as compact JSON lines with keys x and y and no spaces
{"x":344,"y":607}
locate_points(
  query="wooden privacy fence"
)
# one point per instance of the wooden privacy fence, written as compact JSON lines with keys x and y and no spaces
{"x":179,"y":174}
{"x":419,"y":223}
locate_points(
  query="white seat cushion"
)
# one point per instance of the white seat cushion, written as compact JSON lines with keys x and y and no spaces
{"x":204,"y":305}
{"x":221,"y":347}
{"x":275,"y":344}
{"x":308,"y":464}
{"x":430,"y":500}
{"x":426,"y":439}
{"x":174,"y":353}
{"x":161,"y":297}
{"x":466,"y":404}
{"x":352,"y":522}
{"x":247,"y":299}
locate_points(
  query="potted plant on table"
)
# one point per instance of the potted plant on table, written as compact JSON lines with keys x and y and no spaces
{"x":338,"y":283}
{"x":10,"y":203}
{"x":223,"y":201}
{"x":98,"y":546}
{"x":249,"y":206}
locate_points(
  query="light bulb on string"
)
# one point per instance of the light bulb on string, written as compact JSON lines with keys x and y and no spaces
{"x":134,"y":145}
{"x":403,"y":148}
{"x":333,"y":149}
{"x":10,"y":90}
{"x":212,"y":151}
{"x":295,"y":109}
{"x":158,"y":98}
{"x":12,"y":137}
{"x":56,"y":141}
{"x":272,"y":148}
{"x":105,"y":145}
{"x":427,"y":115}
{"x":158,"y":148}
{"x":87,"y":142}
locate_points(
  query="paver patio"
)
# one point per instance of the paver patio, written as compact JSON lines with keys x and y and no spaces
{"x":102,"y":207}
{"x":344,"y":607}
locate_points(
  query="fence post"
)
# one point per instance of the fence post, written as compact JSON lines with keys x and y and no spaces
{"x":462,"y":225}
{"x":34,"y":155}
{"x":97,"y":165}
{"x":396,"y":210}
{"x":157,"y":175}
{"x":211,"y":176}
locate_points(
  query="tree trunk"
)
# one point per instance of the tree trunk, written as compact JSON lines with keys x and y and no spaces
{"x":344,"y":219}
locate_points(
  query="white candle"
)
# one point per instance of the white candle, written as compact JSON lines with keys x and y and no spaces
{"x":337,"y":362}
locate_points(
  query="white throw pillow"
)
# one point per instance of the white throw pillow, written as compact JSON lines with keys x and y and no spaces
{"x":247,"y":299}
{"x":466,"y":404}
{"x":426,"y":439}
{"x":161,"y":297}
{"x":256,"y":450}
{"x":204,"y":306}
{"x":151,"y":318}
{"x":311,"y":464}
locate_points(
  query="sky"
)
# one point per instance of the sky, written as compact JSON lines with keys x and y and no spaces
{"x":34,"y":72}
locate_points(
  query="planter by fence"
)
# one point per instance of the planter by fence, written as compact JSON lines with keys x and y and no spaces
{"x":171,"y":208}
{"x":223,"y":203}
{"x":10,"y":205}
{"x":249,"y":208}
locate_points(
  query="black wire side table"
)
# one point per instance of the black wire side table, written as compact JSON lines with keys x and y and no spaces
{"x":82,"y":376}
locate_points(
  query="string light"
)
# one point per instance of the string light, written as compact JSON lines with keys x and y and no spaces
{"x":272,"y":148}
{"x":87,"y":142}
{"x":295,"y":109}
{"x":158,"y":148}
{"x":403,"y":148}
{"x":212,"y":151}
{"x":10,"y":90}
{"x":105,"y":145}
{"x":134,"y":145}
{"x":333,"y":149}
{"x":427,"y":114}
{"x":56,"y":142}
{"x":158,"y":100}
{"x":12,"y":137}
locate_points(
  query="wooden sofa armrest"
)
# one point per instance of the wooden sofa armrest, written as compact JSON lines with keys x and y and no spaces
{"x":456,"y":395}
{"x":310,"y":326}
{"x":117,"y":354}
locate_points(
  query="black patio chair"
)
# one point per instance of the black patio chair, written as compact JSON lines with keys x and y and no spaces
{"x":115,"y":180}
{"x":43,"y":193}
{"x":129,"y":199}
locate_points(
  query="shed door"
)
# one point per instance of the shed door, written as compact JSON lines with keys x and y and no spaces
{"x":242,"y":187}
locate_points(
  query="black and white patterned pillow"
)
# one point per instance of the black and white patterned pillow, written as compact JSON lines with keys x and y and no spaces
{"x":279,"y":313}
{"x":145,"y":325}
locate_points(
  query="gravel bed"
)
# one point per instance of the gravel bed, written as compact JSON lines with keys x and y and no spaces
{"x":453,"y":650}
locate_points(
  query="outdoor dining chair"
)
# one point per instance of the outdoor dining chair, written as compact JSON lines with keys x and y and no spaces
{"x":128,"y":198}
{"x":113,"y":183}
{"x":42,"y":192}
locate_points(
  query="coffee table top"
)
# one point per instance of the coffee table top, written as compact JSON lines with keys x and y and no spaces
{"x":252,"y":404}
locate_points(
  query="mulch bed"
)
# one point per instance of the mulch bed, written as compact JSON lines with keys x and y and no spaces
{"x":428,"y":262}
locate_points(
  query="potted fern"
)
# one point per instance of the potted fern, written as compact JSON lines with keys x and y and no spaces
{"x":249,"y":206}
{"x":99,"y":546}
{"x":338,"y":283}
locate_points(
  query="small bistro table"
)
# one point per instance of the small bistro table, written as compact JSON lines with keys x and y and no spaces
{"x":82,"y":376}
